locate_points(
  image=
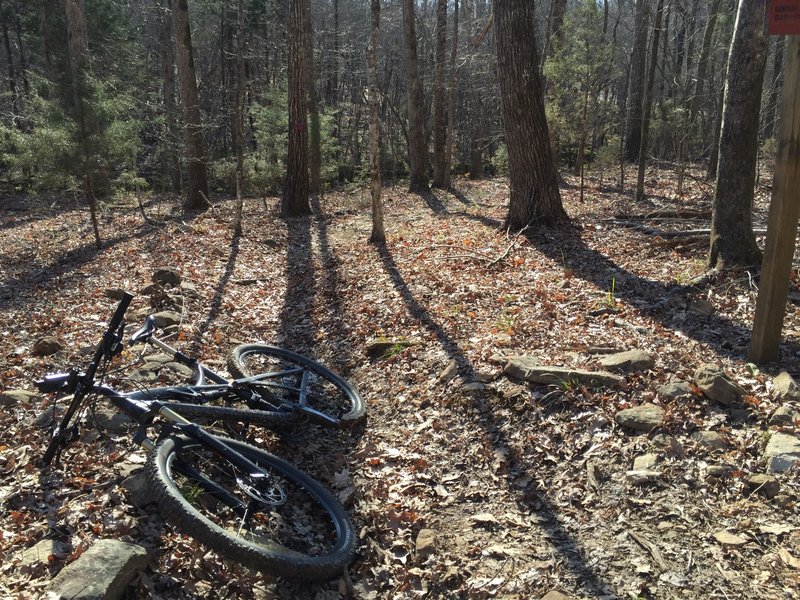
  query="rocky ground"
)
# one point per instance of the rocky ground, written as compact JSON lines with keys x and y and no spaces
{"x":567,"y":413}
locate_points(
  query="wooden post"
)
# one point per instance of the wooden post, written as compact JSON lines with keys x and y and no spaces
{"x":773,"y":289}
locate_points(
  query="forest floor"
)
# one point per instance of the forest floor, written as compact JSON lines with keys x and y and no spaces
{"x":519,"y":489}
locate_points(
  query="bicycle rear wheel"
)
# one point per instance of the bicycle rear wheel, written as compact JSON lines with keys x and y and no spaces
{"x":324,"y":397}
{"x":286,"y":524}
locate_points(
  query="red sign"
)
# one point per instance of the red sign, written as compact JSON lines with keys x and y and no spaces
{"x":784,"y":17}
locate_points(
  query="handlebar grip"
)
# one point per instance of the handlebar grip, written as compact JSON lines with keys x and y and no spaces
{"x":116,"y":319}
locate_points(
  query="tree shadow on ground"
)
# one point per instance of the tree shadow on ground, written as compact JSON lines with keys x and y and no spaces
{"x":219,"y":292}
{"x":651,"y":297}
{"x":295,"y":328}
{"x":563,"y":543}
{"x":434,"y":202}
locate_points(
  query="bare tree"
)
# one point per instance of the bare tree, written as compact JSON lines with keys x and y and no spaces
{"x":535,"y":197}
{"x":378,"y":235}
{"x":197,"y":180}
{"x":417,"y":148}
{"x":295,"y":194}
{"x":732,"y":240}
{"x":440,"y":98}
{"x":239,"y":116}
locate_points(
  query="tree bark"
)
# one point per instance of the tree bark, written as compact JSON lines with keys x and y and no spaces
{"x":295,"y":195}
{"x":314,"y":133}
{"x":775,"y":92}
{"x":732,"y":240}
{"x":239,"y":117}
{"x":197,"y":176}
{"x":171,"y":158}
{"x":417,"y":150}
{"x":451,"y":87}
{"x":648,"y":104}
{"x":378,"y":235}
{"x":702,"y":64}
{"x":633,"y":133}
{"x":440,"y":98}
{"x":535,"y":197}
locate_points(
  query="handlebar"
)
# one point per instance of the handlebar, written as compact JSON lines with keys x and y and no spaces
{"x":116,"y":319}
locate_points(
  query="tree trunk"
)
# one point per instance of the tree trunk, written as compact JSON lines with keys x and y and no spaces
{"x":417,"y":150}
{"x":197,"y":176}
{"x":775,"y":91}
{"x":476,"y":112}
{"x":633,"y":133}
{"x":451,"y":87}
{"x":648,"y":104}
{"x":171,"y":158}
{"x":440,"y":98}
{"x":378,"y":235}
{"x":12,"y":77}
{"x":295,"y":195}
{"x":732,"y":240}
{"x":713,"y":157}
{"x":535,"y":197}
{"x":314,"y":133}
{"x":702,"y":64}
{"x":239,"y":117}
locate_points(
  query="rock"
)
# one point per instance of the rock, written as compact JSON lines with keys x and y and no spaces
{"x":114,"y":293}
{"x":701,"y":306}
{"x":40,"y":553}
{"x":632,"y":361}
{"x":139,"y":492}
{"x":783,"y":500}
{"x":641,"y":418}
{"x":555,"y":595}
{"x":167,"y":276}
{"x":449,"y":372}
{"x":12,"y":397}
{"x":112,"y":420}
{"x":674,"y":390}
{"x":527,"y":369}
{"x":101,"y":573}
{"x":782,"y":452}
{"x":766,"y":485}
{"x":383,"y":347}
{"x":645,"y":462}
{"x":473,"y":386}
{"x":668,"y":444}
{"x":785,"y":388}
{"x":49,"y":416}
{"x":783,"y":416}
{"x":710,"y":440}
{"x":165,"y":318}
{"x":718,"y":386}
{"x":189,"y":289}
{"x":641,"y":477}
{"x":426,"y":543}
{"x":46,"y":346}
{"x":718,"y":471}
{"x":726,"y":538}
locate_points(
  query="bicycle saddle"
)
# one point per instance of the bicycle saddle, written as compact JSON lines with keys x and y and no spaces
{"x":144,"y":332}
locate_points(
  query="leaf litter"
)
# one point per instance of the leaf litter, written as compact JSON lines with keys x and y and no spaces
{"x":523,"y":487}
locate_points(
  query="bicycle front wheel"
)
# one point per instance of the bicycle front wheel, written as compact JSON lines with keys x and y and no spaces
{"x":325,"y":397}
{"x":285,"y":524}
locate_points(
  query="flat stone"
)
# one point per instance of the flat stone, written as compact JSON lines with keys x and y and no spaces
{"x":138,"y":490}
{"x":13,"y":397}
{"x":727,"y":538}
{"x":114,"y":293}
{"x":39,"y":553}
{"x":782,"y":452}
{"x":785,"y":388}
{"x":426,"y":543}
{"x":167,"y":276}
{"x":449,"y":372}
{"x":165,"y":318}
{"x":718,"y":386}
{"x":674,"y":390}
{"x":710,"y":440}
{"x":783,"y":416}
{"x":645,"y":462}
{"x":112,"y":420}
{"x":632,"y":361}
{"x":718,"y":471}
{"x":555,"y":595}
{"x":473,"y":386}
{"x":766,"y":485}
{"x":642,"y":477}
{"x":49,"y":416}
{"x":641,"y":418}
{"x":668,"y":444}
{"x":46,"y":346}
{"x":528,"y":369}
{"x":101,"y":573}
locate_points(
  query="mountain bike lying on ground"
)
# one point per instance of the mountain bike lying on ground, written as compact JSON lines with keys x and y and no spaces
{"x":243,"y":502}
